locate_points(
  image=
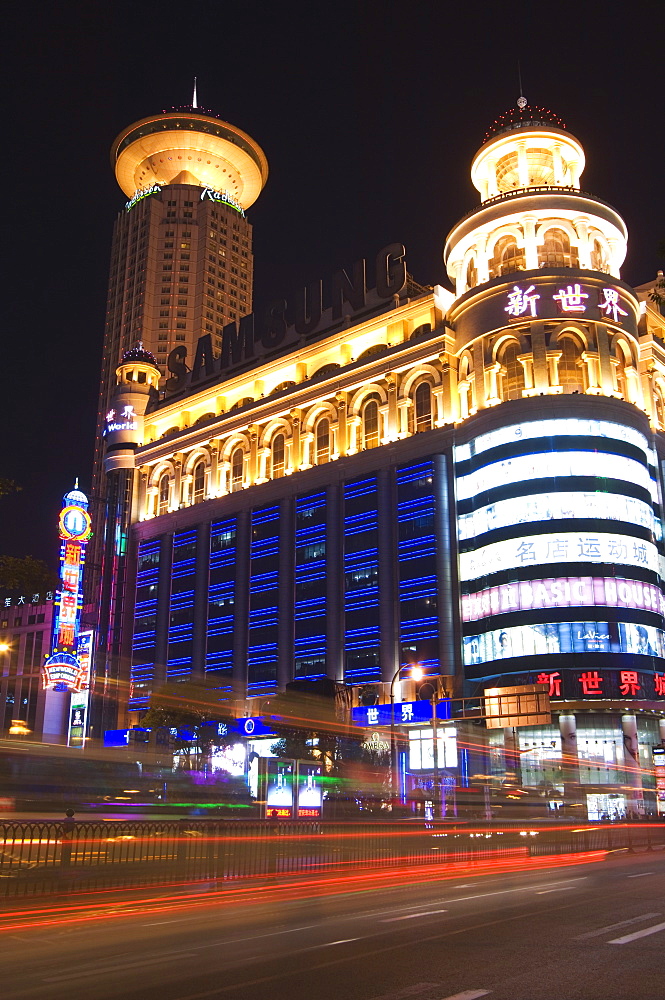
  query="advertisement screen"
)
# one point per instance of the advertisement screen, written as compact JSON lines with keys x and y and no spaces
{"x":421,"y":749}
{"x":563,"y":637}
{"x":280,"y":775}
{"x":557,"y":427}
{"x":562,"y":592}
{"x":551,"y":506}
{"x":565,"y":546}
{"x":545,"y":464}
{"x":310,"y":790}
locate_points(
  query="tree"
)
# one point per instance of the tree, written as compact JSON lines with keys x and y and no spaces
{"x":27,"y":575}
{"x":8,"y":486}
{"x":190,"y":706}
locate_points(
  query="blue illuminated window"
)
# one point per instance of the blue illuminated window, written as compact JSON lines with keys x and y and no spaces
{"x":310,"y":586}
{"x":145,"y":619}
{"x":416,"y":540}
{"x":181,"y":618}
{"x":221,"y":602}
{"x":361,"y":581}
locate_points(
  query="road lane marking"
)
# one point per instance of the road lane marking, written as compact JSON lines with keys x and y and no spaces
{"x":408,"y":991}
{"x":638,"y":934}
{"x":469,"y":995}
{"x":563,"y":888}
{"x":641,"y":875}
{"x":412,"y":916}
{"x":328,"y":944}
{"x":503,"y":892}
{"x":615,"y":927}
{"x":122,"y":966}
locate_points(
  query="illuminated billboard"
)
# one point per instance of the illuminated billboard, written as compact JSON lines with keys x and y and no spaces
{"x":563,"y":637}
{"x":309,"y":790}
{"x":562,"y":547}
{"x":279,"y":785}
{"x":562,"y":592}
{"x":547,"y":464}
{"x":555,"y":506}
{"x":550,"y":428}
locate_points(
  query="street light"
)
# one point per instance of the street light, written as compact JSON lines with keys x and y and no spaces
{"x":417,"y":674}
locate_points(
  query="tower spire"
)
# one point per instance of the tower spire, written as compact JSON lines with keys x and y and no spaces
{"x":521,"y":100}
{"x":194,"y":100}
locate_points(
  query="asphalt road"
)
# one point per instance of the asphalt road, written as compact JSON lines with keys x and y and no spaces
{"x":589,"y":931}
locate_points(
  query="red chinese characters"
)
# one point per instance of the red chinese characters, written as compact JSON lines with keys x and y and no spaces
{"x":659,"y":684}
{"x":628,"y":682}
{"x":554,"y":681}
{"x":591,"y":681}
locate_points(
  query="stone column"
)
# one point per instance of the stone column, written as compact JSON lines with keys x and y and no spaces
{"x":307,"y":441}
{"x":390,"y":426}
{"x":633,"y":770}
{"x":558,"y":164}
{"x":463,"y":389}
{"x":186,"y":490}
{"x":482,"y":263}
{"x":141,"y":499}
{"x":522,"y":165}
{"x":584,"y":249}
{"x":251,"y":466}
{"x":342,"y":443}
{"x":224,"y":476}
{"x":491,"y":384}
{"x":151,"y":501}
{"x":530,"y":246}
{"x":295,"y":440}
{"x":263,"y":454}
{"x":214,"y":470}
{"x":176,"y":494}
{"x":403,"y":417}
{"x":439,"y":417}
{"x":353,"y":424}
{"x":570,"y":759}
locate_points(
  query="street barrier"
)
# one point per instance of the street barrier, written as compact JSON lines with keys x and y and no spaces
{"x":46,"y":857}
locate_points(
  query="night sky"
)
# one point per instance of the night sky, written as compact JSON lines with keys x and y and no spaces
{"x":369,"y":114}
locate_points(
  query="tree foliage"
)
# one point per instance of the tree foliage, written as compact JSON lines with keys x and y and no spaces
{"x":27,"y":575}
{"x":189,"y":706}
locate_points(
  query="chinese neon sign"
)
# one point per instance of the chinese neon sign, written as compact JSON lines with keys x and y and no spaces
{"x":120,"y":420}
{"x":570,"y":299}
{"x":64,"y":667}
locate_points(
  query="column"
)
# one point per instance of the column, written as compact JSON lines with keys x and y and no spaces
{"x":186,"y":490}
{"x":522,"y":165}
{"x":403,"y":417}
{"x":482,"y":263}
{"x":583,"y":249}
{"x":390,"y":424}
{"x":250,"y":468}
{"x":553,"y":358}
{"x":558,"y":164}
{"x":439,"y":418}
{"x":633,"y":770}
{"x":306,"y":440}
{"x":224,"y":476}
{"x":590,"y":359}
{"x":353,"y":424}
{"x":263,"y":454}
{"x":492,"y":188}
{"x":341,"y":424}
{"x":491,"y":384}
{"x":141,"y":498}
{"x":176,"y":494}
{"x":295,"y":440}
{"x":530,"y":247}
{"x":214,"y":470}
{"x":570,"y":759}
{"x":388,"y":605}
{"x":463,"y":389}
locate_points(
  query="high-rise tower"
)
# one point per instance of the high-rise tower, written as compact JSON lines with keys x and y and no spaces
{"x":181,"y":258}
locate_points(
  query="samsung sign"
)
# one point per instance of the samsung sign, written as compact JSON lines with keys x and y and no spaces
{"x":312,"y":313}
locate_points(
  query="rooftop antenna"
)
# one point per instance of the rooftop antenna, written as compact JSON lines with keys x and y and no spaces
{"x":194,"y":101}
{"x":76,"y":484}
{"x":521,"y":100}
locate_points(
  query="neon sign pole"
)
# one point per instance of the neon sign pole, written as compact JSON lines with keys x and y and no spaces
{"x":65,"y":669}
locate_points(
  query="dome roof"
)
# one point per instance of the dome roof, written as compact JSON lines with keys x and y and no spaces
{"x":76,"y":497}
{"x":138,"y":353}
{"x":523,"y":116}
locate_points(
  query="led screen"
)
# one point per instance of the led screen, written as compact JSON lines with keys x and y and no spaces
{"x":421,"y":749}
{"x":565,"y":546}
{"x":557,"y":427}
{"x":563,"y":592}
{"x":549,"y":506}
{"x":545,"y":464}
{"x":310,"y":791}
{"x":563,"y":637}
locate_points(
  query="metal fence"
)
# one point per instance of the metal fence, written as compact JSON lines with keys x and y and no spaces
{"x":42,"y":857}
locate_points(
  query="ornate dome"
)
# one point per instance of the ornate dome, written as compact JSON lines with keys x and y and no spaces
{"x":138,"y":353}
{"x":76,"y":497}
{"x":523,"y":116}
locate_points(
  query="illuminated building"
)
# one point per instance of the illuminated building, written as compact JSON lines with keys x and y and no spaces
{"x":181,"y":257}
{"x":469,"y":480}
{"x":25,"y":635}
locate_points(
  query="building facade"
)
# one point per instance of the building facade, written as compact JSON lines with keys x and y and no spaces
{"x":469,"y":480}
{"x":181,"y":256}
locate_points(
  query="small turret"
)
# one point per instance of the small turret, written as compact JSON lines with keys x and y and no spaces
{"x":137,"y":381}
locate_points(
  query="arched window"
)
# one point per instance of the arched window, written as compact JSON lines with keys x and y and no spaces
{"x":513,"y":373}
{"x":278,"y":451}
{"x":199,"y":482}
{"x":423,"y":408}
{"x":471,"y":274}
{"x":570,"y":372}
{"x":371,"y":422}
{"x":322,"y":441}
{"x":237,"y":470}
{"x":164,"y":490}
{"x":556,"y":250}
{"x":508,"y":257}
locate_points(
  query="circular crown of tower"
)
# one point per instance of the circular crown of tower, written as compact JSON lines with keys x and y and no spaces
{"x":185,"y":146}
{"x":527,"y":147}
{"x":75,"y":497}
{"x":138,"y":353}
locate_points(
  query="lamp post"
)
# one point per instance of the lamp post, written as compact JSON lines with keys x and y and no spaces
{"x":416,"y":674}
